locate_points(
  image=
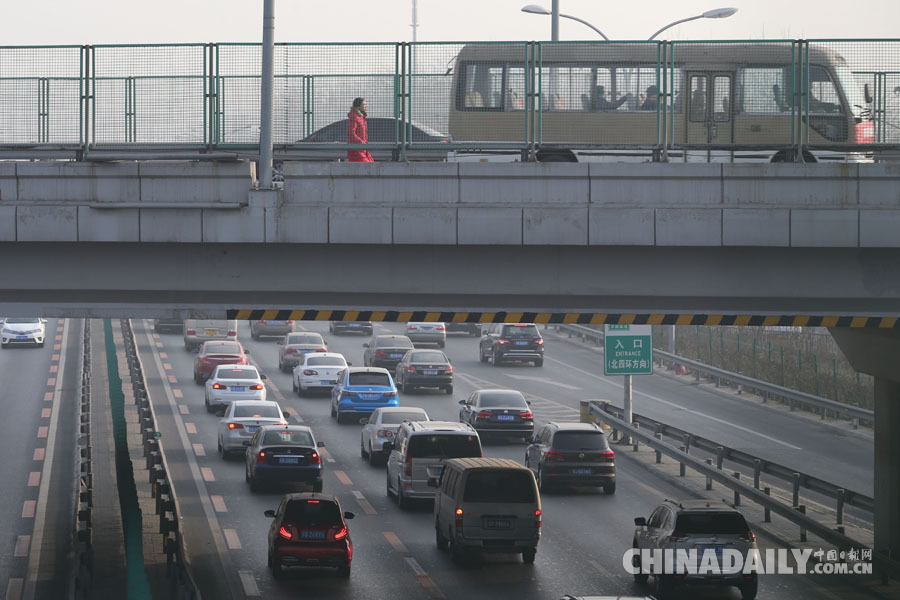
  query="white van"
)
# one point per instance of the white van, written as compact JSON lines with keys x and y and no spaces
{"x":487,"y":505}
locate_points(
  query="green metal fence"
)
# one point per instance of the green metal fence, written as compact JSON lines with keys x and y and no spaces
{"x":697,"y":100}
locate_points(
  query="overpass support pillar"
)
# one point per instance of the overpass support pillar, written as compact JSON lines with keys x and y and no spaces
{"x":887,"y":467}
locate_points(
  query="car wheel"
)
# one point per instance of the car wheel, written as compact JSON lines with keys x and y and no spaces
{"x":344,"y":571}
{"x":496,"y":359}
{"x":294,"y":386}
{"x":481,"y":356}
{"x":441,"y":344}
{"x":362,"y":450}
{"x":3,"y":346}
{"x":609,"y":488}
{"x":404,"y":388}
{"x":439,"y":540}
{"x":539,"y":362}
{"x":339,"y":416}
{"x":196,"y":378}
{"x":640,"y":578}
{"x":277,"y":570}
{"x":387,"y":486}
{"x":543,"y":486}
{"x":41,"y":345}
{"x":749,"y":589}
{"x":449,"y":389}
{"x":222,"y":453}
{"x":457,"y":553}
{"x":373,"y":459}
{"x":317,"y":486}
{"x":663,"y":586}
{"x":402,"y":500}
{"x":254,"y":485}
{"x":333,"y":412}
{"x":209,"y":408}
{"x":528,"y":556}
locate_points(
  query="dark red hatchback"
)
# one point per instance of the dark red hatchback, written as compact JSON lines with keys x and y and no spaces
{"x":310,"y":530}
{"x":213,"y":354}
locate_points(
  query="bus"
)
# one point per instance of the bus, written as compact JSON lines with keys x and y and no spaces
{"x":711,"y":101}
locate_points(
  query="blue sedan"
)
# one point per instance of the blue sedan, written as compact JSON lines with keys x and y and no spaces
{"x":284,"y":454}
{"x":360,"y":390}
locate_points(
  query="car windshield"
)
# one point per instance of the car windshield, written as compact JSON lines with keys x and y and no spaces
{"x":393,"y":342}
{"x":428,"y":357}
{"x":502,"y":400}
{"x":304,"y":339}
{"x":395,"y":418}
{"x":313,"y":513}
{"x":223,"y":349}
{"x":251,"y":373}
{"x":287,"y":438}
{"x":577,"y":440}
{"x":444,"y":446}
{"x":257,"y":410}
{"x":711,"y":522}
{"x":14,"y":320}
{"x":364,"y":378}
{"x":325,"y":361}
{"x":520,"y":331}
{"x":513,"y":487}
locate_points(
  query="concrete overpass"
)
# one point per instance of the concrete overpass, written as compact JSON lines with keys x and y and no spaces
{"x":714,"y":243}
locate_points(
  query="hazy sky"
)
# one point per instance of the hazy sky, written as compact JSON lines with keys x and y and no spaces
{"x":39,"y":22}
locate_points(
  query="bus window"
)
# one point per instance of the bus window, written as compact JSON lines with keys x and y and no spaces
{"x":482,"y":89}
{"x":823,"y":95}
{"x":721,"y":98}
{"x":563,"y":88}
{"x":515,"y":88}
{"x":762,"y":90}
{"x":698,"y":98}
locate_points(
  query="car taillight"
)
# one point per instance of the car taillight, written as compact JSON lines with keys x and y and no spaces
{"x":290,"y":322}
{"x":310,"y":372}
{"x":412,"y":328}
{"x":441,"y":328}
{"x":285,"y":533}
{"x":340,"y":534}
{"x":553,"y":455}
{"x":484,"y":414}
{"x":348,"y":394}
{"x":390,"y":394}
{"x":380,"y":353}
{"x":322,"y":350}
{"x":503,"y":341}
{"x":864,"y":132}
{"x":384,"y":433}
{"x":608,"y":454}
{"x":677,"y":536}
{"x":459,"y":519}
{"x":235,"y":426}
{"x":407,"y":465}
{"x":261,"y":457}
{"x":232,"y":333}
{"x":448,"y":369}
{"x":411,"y":369}
{"x":257,"y":386}
{"x":191,"y":332}
{"x":205,"y":360}
{"x":315,"y":459}
{"x":748,"y":536}
{"x":539,"y":342}
{"x":526,"y":415}
{"x":219,"y":386}
{"x":537,"y":518}
{"x":290,"y":351}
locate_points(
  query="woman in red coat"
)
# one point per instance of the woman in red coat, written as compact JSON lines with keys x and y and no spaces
{"x":358,"y":132}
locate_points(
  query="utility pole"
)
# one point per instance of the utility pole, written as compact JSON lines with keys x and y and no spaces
{"x":415,"y":18}
{"x":267,"y":95}
{"x":554,"y":21}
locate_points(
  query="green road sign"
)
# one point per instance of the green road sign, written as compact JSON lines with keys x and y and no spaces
{"x":628,"y":350}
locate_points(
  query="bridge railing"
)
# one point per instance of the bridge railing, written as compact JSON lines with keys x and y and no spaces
{"x":659,"y":99}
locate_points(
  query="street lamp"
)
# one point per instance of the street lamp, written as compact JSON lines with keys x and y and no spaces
{"x":718,"y":13}
{"x":535,"y":9}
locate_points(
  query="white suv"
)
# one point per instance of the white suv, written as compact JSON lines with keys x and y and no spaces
{"x":22,"y":331}
{"x":701,"y":525}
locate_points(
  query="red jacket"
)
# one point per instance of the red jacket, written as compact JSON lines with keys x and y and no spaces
{"x":357,"y":133}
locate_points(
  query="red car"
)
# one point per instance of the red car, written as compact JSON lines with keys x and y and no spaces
{"x":310,"y":530}
{"x":215,"y":353}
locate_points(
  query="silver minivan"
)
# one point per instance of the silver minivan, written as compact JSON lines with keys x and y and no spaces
{"x":197,"y":331}
{"x":418,"y":454}
{"x":487,"y":505}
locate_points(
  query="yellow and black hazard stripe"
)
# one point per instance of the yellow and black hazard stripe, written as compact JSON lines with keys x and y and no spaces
{"x":391,"y":316}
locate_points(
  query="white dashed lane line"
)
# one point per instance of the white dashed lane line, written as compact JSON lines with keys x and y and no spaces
{"x":363,"y":503}
{"x":249,"y":583}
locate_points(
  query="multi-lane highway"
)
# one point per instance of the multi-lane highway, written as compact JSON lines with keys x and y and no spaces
{"x":585,"y":532}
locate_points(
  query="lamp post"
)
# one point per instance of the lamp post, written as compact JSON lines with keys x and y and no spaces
{"x":534,"y":9}
{"x":267,"y":82}
{"x":718,"y":13}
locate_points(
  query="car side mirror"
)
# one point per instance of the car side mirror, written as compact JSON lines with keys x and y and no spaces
{"x":246,"y":352}
{"x":348,"y":514}
{"x":281,"y":342}
{"x":640,"y":521}
{"x":324,"y":341}
{"x":388,"y":446}
{"x":867,"y":91}
{"x":365,"y":344}
{"x":462,"y":402}
{"x":220,"y":413}
{"x":45,"y":320}
{"x":349,"y":364}
{"x":432,"y":482}
{"x":245,"y":443}
{"x":263,"y":376}
{"x":536,"y":440}
{"x":285,"y":414}
{"x":270,"y":513}
{"x":528,"y":402}
{"x":195,"y":350}
{"x":320,"y":444}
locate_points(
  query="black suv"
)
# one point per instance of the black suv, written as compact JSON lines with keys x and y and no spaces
{"x":572,"y":453}
{"x":511,"y":342}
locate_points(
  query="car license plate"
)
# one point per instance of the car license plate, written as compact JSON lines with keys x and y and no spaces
{"x":289,"y":460}
{"x":325,"y":382}
{"x":370,"y":396}
{"x":581,"y":471}
{"x":354,"y":324}
{"x":21,"y":337}
{"x":430,"y":372}
{"x":252,"y":428}
{"x":505,"y":417}
{"x":497,"y":523}
{"x":521,"y":342}
{"x":396,"y":356}
{"x":306,"y":534}
{"x":717,"y":549}
{"x":212,"y":332}
{"x":239,"y":388}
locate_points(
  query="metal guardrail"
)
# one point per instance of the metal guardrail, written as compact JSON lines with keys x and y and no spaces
{"x":795,"y":514}
{"x":82,"y":573}
{"x":793,"y":396}
{"x":181,"y":583}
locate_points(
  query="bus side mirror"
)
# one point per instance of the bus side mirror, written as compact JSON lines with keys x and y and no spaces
{"x":867,"y":91}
